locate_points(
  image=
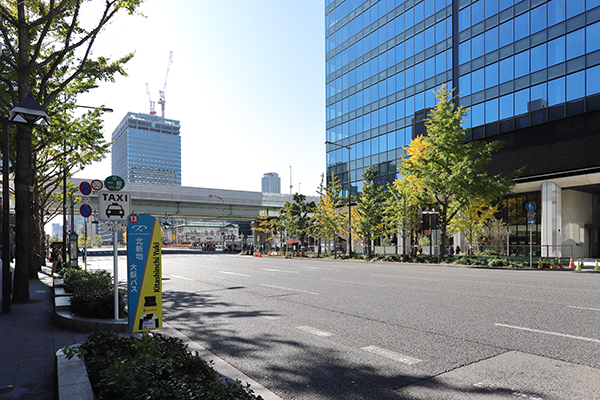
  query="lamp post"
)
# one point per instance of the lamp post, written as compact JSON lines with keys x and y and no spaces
{"x":430,"y":212}
{"x":64,"y":172}
{"x":223,"y":215}
{"x":347,"y":146}
{"x":28,"y":111}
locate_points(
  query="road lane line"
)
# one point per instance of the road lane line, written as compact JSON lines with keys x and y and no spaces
{"x":584,"y":308}
{"x":314,"y":331}
{"x":279,"y":270}
{"x":549,"y":333}
{"x":181,"y":277}
{"x":392,"y":355}
{"x":233,"y":273}
{"x":293,"y":290}
{"x":270,"y":318}
{"x":404,"y":277}
{"x":354,"y":283}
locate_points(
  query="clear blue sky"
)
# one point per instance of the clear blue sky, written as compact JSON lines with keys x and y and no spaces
{"x":247,"y":83}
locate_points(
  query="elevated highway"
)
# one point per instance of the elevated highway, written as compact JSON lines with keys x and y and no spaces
{"x":197,"y":203}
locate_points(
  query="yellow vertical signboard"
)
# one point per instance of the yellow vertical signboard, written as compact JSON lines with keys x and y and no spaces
{"x":144,"y":273}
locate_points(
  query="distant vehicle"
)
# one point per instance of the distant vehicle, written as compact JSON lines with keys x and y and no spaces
{"x":115,"y":209}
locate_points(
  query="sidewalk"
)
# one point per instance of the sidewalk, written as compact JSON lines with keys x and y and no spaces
{"x":29,"y":342}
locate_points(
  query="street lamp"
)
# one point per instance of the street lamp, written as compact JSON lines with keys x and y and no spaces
{"x":430,"y":212}
{"x":347,"y":146}
{"x":28,"y":111}
{"x":223,"y":215}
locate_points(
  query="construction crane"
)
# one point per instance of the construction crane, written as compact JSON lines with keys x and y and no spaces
{"x":161,"y":99}
{"x":152,"y":112}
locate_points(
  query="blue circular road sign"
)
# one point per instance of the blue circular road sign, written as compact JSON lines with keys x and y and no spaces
{"x":85,"y":210}
{"x":530,"y":206}
{"x":85,"y":188}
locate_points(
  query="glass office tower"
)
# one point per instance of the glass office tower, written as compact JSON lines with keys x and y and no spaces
{"x":147,"y":149}
{"x":529,"y":72}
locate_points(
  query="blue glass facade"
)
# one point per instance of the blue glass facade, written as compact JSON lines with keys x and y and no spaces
{"x":514,"y":64}
{"x":147,"y":149}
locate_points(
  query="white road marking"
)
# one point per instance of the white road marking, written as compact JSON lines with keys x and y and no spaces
{"x":392,"y":355}
{"x":550,"y":333}
{"x":285,"y":288}
{"x":181,"y":277}
{"x":355,"y":283}
{"x":233,"y":273}
{"x":279,"y":270}
{"x":404,"y":277}
{"x":321,"y":269}
{"x":584,"y":308}
{"x":270,"y":318}
{"x":314,"y":331}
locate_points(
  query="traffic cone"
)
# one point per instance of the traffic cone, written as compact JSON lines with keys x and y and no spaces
{"x":579,"y":266}
{"x":596,"y":268}
{"x":540,"y":264}
{"x":560,"y":263}
{"x":552,"y":266}
{"x":571,"y":265}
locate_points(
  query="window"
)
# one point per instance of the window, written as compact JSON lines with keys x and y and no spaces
{"x":522,"y":64}
{"x":491,"y":75}
{"x":464,"y":52}
{"x":592,"y":37}
{"x":491,"y":111}
{"x":477,"y":81}
{"x":521,"y":101}
{"x":464,"y":85}
{"x":491,"y":8}
{"x":506,"y":106}
{"x":477,"y":115}
{"x":491,"y":40}
{"x":538,"y":93}
{"x":575,"y":85}
{"x":576,"y":44}
{"x":593,"y":83}
{"x":538,"y":58}
{"x":538,"y":18}
{"x":506,"y":70}
{"x":506,"y":33}
{"x":522,"y":26}
{"x":477,"y":48}
{"x":556,"y":91}
{"x":477,"y":12}
{"x":574,"y":7}
{"x":556,"y":51}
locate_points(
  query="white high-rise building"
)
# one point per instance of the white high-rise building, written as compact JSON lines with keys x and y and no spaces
{"x":271,"y":183}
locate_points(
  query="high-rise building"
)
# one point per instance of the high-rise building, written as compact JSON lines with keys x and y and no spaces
{"x":271,"y":183}
{"x":528,"y":71}
{"x":147,"y":149}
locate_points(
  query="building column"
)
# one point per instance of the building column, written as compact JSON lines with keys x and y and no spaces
{"x":551,"y":220}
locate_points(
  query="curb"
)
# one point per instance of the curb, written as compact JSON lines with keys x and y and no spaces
{"x":72,"y":377}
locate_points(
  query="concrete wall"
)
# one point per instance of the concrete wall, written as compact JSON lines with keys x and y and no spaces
{"x":576,"y":213}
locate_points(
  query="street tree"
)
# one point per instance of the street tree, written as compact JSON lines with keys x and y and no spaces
{"x":401,"y":212}
{"x":471,"y":221}
{"x":47,"y":51}
{"x":370,"y":209}
{"x":298,"y":217}
{"x":452,"y":171}
{"x":329,"y":219}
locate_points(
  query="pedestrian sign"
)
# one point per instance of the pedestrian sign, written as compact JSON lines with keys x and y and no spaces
{"x":531,"y":206}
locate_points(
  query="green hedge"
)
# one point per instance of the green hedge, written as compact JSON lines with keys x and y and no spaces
{"x":152,"y":367}
{"x":93,"y":293}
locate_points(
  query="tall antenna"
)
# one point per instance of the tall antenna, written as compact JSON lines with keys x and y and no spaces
{"x":291,"y":182}
{"x":161,"y":93}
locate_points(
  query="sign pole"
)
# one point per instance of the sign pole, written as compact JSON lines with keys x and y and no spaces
{"x":530,"y":248}
{"x":116,"y":270}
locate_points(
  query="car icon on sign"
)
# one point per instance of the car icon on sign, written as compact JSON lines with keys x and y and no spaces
{"x":115,"y":209}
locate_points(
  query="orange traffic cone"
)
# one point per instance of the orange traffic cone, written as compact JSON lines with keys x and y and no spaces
{"x":571,"y":265}
{"x":560,"y":263}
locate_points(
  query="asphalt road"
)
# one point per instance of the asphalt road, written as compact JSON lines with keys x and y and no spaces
{"x":309,"y":329}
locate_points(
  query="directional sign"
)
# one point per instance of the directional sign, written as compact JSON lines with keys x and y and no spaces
{"x":85,"y":188}
{"x":114,"y":183}
{"x":531,"y":221}
{"x":114,"y":206}
{"x":97,"y":184}
{"x":531,"y":206}
{"x":85,"y":210}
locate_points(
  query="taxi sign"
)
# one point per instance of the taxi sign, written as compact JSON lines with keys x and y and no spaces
{"x":114,"y":206}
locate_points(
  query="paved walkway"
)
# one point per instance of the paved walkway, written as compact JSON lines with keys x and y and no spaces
{"x":28,"y":344}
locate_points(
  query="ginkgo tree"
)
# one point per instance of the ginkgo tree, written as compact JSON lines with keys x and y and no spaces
{"x":370,"y":207}
{"x":451,"y":171}
{"x":471,"y":221}
{"x":329,"y":219}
